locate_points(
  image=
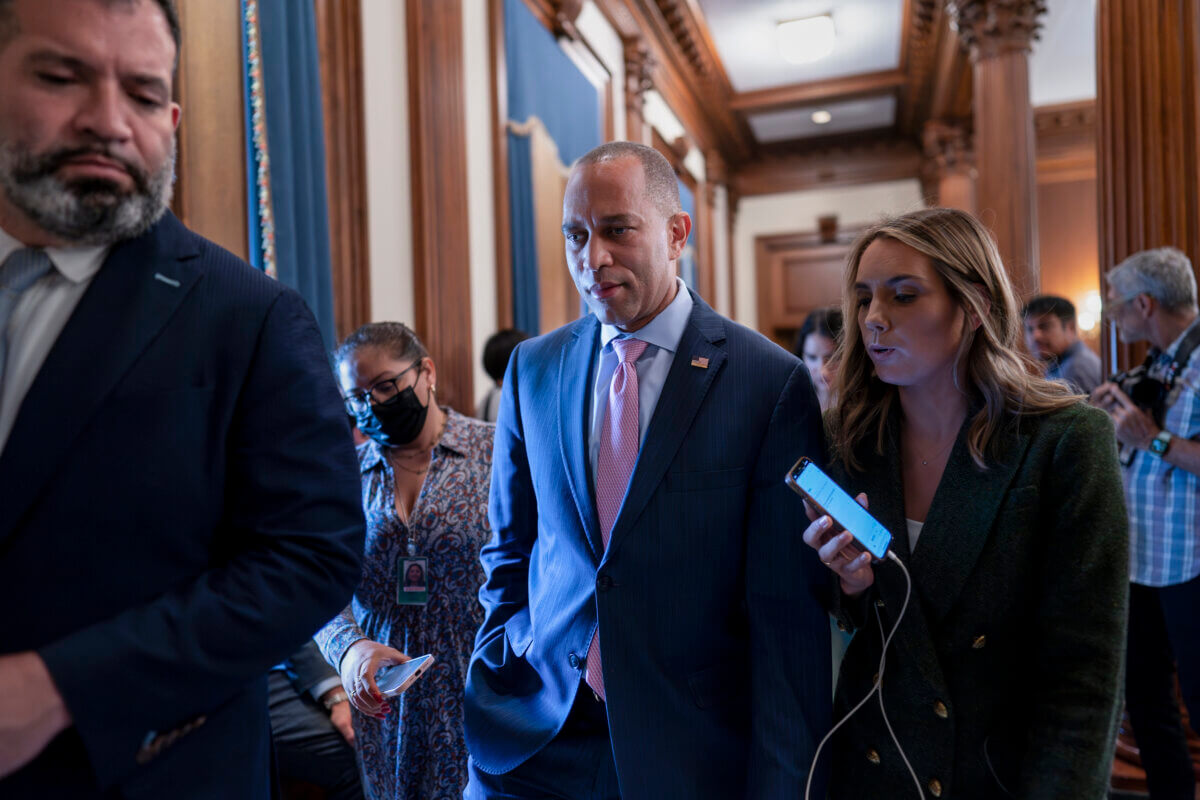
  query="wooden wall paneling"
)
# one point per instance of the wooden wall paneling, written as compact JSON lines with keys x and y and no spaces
{"x":732,"y":200}
{"x":1148,"y":135}
{"x":503,"y":218}
{"x":210,"y":193}
{"x":797,"y":273}
{"x":441,"y":254}
{"x":845,"y":162}
{"x":339,"y":39}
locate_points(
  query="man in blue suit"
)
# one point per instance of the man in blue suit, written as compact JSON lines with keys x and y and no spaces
{"x":653,"y":625}
{"x":179,"y":500}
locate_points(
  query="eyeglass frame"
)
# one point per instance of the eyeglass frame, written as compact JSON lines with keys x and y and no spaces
{"x":1110,"y":306}
{"x":360,"y":401}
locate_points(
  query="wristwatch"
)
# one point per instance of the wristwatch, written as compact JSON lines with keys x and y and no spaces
{"x":333,"y":698}
{"x":1160,"y":443}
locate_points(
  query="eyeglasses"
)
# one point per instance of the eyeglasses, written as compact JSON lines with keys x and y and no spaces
{"x":381,"y":392}
{"x":1112,"y":305}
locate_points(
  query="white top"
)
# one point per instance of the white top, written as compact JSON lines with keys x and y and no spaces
{"x":39,"y":317}
{"x":914,"y":531}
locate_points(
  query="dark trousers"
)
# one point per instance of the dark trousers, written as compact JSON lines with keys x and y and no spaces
{"x":307,"y":746}
{"x":1164,"y":637}
{"x":577,"y":764}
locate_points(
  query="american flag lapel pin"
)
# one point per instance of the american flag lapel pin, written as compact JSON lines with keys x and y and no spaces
{"x":700,"y":361}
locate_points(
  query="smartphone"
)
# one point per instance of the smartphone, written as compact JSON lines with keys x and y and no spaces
{"x":807,"y":480}
{"x":394,"y":679}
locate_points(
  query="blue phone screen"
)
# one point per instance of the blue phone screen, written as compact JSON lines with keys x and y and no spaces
{"x":845,"y":510}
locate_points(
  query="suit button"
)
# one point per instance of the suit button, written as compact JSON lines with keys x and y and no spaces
{"x":573,"y":660}
{"x":935,"y":787}
{"x":873,"y":756}
{"x":875,"y":679}
{"x":604,"y":583}
{"x":979,"y":642}
{"x":940,"y":709}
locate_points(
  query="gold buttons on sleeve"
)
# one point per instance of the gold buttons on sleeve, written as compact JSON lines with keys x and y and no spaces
{"x":873,"y":756}
{"x":940,"y":709}
{"x":979,"y":642}
{"x":935,"y":787}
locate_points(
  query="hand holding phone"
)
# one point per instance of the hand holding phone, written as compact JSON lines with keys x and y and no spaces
{"x":827,"y":505}
{"x":395,"y":679}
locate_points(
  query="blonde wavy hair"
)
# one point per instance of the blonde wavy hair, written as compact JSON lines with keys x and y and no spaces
{"x":991,"y":368}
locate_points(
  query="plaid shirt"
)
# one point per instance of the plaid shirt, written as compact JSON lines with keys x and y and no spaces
{"x":1164,"y":500}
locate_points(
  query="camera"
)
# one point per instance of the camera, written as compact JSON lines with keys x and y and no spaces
{"x":1148,"y":394}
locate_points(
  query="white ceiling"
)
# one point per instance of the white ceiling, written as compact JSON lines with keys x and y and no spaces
{"x":868,"y":39}
{"x":847,"y":115}
{"x":1063,"y":65}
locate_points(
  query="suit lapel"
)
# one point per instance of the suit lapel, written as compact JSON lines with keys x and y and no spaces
{"x":575,"y":375}
{"x":961,"y":517}
{"x":131,"y":298}
{"x":681,"y":397}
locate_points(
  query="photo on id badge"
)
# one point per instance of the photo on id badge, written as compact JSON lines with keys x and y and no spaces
{"x":412,"y":585}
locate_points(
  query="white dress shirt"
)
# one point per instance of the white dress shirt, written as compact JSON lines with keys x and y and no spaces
{"x":40,"y":315}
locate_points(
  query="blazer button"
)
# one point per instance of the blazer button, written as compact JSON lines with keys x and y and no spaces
{"x":604,"y":583}
{"x":875,"y":679}
{"x":573,"y":660}
{"x":940,"y":709}
{"x":935,"y":787}
{"x":979,"y":642}
{"x":873,"y":756}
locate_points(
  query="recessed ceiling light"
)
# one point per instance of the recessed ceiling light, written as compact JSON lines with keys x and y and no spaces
{"x":802,"y":41}
{"x":821,"y":117}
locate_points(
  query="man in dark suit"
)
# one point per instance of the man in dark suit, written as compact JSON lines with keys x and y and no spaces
{"x":180,"y":504}
{"x":653,"y":625}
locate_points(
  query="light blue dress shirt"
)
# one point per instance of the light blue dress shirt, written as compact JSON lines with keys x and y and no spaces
{"x":662,"y":335}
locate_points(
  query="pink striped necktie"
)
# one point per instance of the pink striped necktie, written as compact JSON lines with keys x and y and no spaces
{"x":619,"y":443}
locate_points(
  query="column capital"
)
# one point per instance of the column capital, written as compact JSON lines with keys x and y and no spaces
{"x":994,"y":27}
{"x":639,"y":71}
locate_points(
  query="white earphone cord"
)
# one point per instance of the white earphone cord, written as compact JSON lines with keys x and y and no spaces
{"x":877,"y":688}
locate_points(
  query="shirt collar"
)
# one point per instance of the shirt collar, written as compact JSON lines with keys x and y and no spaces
{"x":665,"y":330}
{"x":76,"y":264}
{"x":1169,"y":353}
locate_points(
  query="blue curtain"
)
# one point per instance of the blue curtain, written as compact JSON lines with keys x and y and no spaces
{"x":687,"y":263}
{"x":542,"y":83}
{"x":526,"y":306}
{"x":291,"y":84}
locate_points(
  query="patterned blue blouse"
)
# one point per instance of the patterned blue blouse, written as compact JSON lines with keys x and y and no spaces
{"x":418,"y":751}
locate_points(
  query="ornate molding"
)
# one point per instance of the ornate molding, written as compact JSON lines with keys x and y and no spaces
{"x":994,"y":27}
{"x":685,"y":28}
{"x":947,"y":144}
{"x":834,"y":163}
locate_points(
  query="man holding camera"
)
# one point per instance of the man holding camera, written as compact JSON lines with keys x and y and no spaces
{"x":1156,"y":411}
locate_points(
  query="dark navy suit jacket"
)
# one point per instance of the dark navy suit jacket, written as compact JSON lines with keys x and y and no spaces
{"x":715,"y":645}
{"x":180,"y":511}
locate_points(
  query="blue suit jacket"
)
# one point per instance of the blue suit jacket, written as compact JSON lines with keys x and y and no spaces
{"x":181,"y":509}
{"x":715,"y":643}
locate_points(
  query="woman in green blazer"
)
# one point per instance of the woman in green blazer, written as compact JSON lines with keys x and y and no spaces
{"x":1004,"y":499}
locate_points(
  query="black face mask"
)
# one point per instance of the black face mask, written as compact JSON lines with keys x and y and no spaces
{"x":396,"y":422}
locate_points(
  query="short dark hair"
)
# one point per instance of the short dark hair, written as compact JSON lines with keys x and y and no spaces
{"x":1044,"y":304}
{"x":8,"y":21}
{"x":394,"y":337}
{"x":498,"y":349}
{"x":662,"y":185}
{"x":825,"y":322}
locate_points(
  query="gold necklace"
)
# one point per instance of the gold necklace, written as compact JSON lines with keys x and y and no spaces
{"x":938,"y":454}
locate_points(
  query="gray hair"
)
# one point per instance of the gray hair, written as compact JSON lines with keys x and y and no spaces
{"x":1164,"y":273}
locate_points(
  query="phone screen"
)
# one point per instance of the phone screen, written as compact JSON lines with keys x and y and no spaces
{"x":845,"y":510}
{"x":396,"y":678}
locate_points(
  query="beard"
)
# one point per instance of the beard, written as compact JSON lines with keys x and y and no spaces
{"x":90,"y":211}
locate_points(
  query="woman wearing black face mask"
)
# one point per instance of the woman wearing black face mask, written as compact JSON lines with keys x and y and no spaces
{"x":426,"y":473}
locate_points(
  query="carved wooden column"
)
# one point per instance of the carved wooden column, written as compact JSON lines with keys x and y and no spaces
{"x":438,"y":150}
{"x":639,"y":65}
{"x":948,"y":168}
{"x":1148,"y":135}
{"x":998,"y":34}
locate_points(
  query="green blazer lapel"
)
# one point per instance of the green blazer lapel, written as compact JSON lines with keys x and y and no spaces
{"x":961,"y":517}
{"x":682,"y":394}
{"x":885,"y":498}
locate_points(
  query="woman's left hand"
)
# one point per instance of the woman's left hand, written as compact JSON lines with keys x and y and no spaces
{"x":836,"y":552}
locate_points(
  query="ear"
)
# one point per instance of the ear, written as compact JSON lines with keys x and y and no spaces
{"x":1145,"y":305}
{"x":678,"y":228}
{"x":427,"y":365}
{"x":985,"y":299}
{"x":176,"y":115}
